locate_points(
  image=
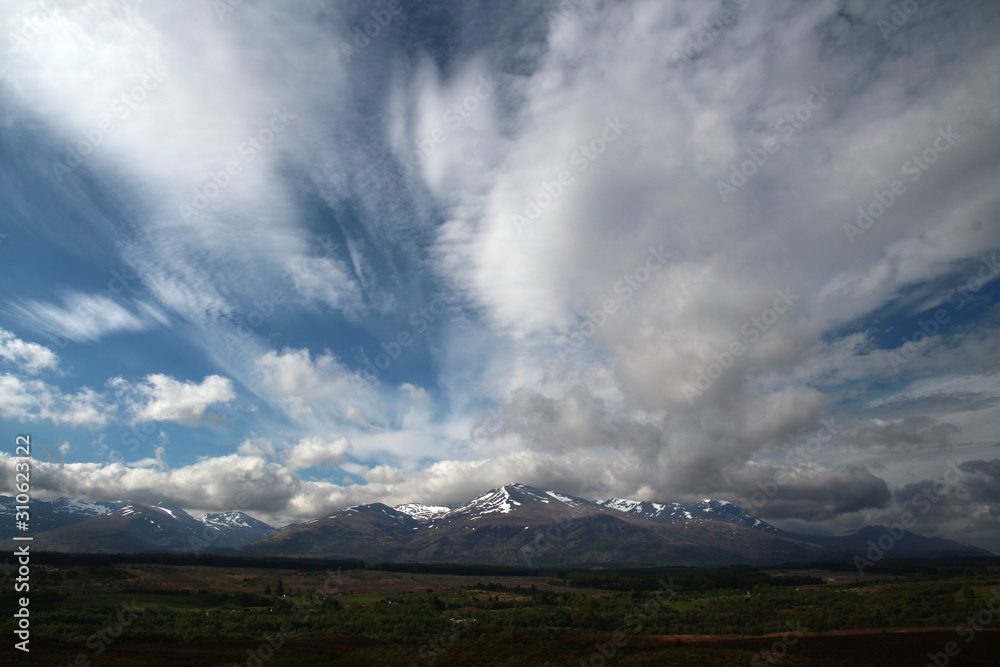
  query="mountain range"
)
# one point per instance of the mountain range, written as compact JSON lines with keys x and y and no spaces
{"x":512,"y":525}
{"x":69,"y":525}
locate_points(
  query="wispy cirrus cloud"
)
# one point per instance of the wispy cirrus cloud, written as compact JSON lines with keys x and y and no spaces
{"x":85,"y":318}
{"x":307,"y":208}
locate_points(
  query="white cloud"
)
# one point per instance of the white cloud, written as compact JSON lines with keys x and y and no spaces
{"x":211,"y":483}
{"x":260,"y":447}
{"x":315,"y":451}
{"x":29,"y":357}
{"x":156,"y":461}
{"x":414,"y":392}
{"x":318,"y":388}
{"x":89,"y":317}
{"x":34,"y":400}
{"x":527,"y":293}
{"x":656,"y":184}
{"x":162,"y":398}
{"x":219,"y":230}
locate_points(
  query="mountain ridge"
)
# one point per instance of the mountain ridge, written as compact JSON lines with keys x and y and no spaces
{"x":515,"y":524}
{"x":133,"y":527}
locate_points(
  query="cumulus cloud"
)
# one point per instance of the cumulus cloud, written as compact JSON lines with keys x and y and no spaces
{"x":162,"y":398}
{"x":316,"y":389}
{"x":414,"y":392}
{"x":261,"y":447}
{"x":310,"y":452}
{"x":34,"y":400}
{"x":157,"y":460}
{"x":212,"y":483}
{"x":28,"y":357}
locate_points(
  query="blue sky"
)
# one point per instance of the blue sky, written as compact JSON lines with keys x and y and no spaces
{"x":256,"y":258}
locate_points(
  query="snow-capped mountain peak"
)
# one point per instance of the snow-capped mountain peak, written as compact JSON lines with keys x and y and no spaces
{"x":494,"y":501}
{"x":705,"y":509}
{"x":633,"y":506}
{"x":232,"y":519}
{"x":512,"y":497}
{"x":74,"y":506}
{"x":422,"y":513}
{"x":51,"y":513}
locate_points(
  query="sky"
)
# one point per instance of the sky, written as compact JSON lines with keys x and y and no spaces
{"x":289,"y":257}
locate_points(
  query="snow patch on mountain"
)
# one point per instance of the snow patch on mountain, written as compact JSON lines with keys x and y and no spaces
{"x":423,"y":513}
{"x":169,"y":511}
{"x":74,"y":506}
{"x":704,"y":510}
{"x":494,"y":501}
{"x":561,"y":498}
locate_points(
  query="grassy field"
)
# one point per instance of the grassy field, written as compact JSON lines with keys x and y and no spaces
{"x":194,"y":615}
